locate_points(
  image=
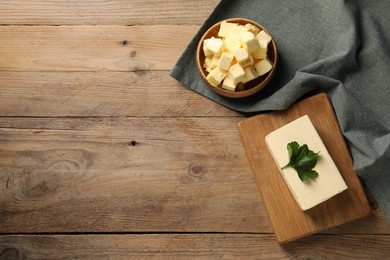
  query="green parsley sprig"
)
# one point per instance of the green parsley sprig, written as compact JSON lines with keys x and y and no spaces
{"x":302,"y":160}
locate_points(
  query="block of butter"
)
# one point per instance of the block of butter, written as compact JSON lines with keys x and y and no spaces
{"x":329,"y":181}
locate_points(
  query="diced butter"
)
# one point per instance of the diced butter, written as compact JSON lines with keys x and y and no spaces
{"x":216,"y":76}
{"x":232,"y":45}
{"x":225,"y":60}
{"x":208,"y":53}
{"x":226,"y":29}
{"x":248,"y":62}
{"x":213,"y":46}
{"x":207,"y":62}
{"x":211,"y":63}
{"x":250,"y":73}
{"x":236,"y":73}
{"x":231,"y":30}
{"x":249,"y":41}
{"x":262,"y":35}
{"x":329,"y":181}
{"x":253,"y":29}
{"x":261,"y":52}
{"x":241,"y":55}
{"x":239,"y":51}
{"x":228,"y":83}
{"x":263,"y":66}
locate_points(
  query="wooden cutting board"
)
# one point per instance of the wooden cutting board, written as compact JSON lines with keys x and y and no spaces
{"x":288,"y":220}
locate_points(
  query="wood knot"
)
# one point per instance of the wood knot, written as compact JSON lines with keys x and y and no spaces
{"x":133,"y":143}
{"x":133,"y":54}
{"x":196,"y":170}
{"x":10,"y":253}
{"x":124,"y":43}
{"x":139,"y":70}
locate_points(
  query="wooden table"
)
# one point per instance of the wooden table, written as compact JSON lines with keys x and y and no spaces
{"x":104,"y":155}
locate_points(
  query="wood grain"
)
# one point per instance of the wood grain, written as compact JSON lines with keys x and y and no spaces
{"x":59,"y":94}
{"x":182,"y":174}
{"x":288,"y":220}
{"x":191,"y":246}
{"x":96,"y":137}
{"x":86,"y":175}
{"x":93,"y":48}
{"x":101,"y":12}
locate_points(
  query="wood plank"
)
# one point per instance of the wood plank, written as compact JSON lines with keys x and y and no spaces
{"x":191,"y":246}
{"x":53,"y":94}
{"x":182,"y":174}
{"x":288,"y":220}
{"x":91,"y":12}
{"x":93,"y":48}
{"x":84,"y":174}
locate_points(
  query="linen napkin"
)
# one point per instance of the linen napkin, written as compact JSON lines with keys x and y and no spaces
{"x":333,"y":46}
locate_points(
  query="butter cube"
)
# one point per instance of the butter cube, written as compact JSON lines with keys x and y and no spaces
{"x":250,"y":74}
{"x":227,"y":29}
{"x":211,"y":63}
{"x":249,"y":41}
{"x":236,"y":73}
{"x":261,"y":52}
{"x":207,"y":63}
{"x":216,"y":76}
{"x":239,"y":30}
{"x":213,"y":46}
{"x":252,"y":28}
{"x":329,"y":181}
{"x":248,"y":62}
{"x":228,"y":83}
{"x":208,"y":53}
{"x":225,"y":60}
{"x":241,"y":55}
{"x":232,"y":45}
{"x":263,"y":66}
{"x":231,"y":30}
{"x":262,"y":35}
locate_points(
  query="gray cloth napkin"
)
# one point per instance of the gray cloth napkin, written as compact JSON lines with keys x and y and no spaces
{"x":333,"y":46}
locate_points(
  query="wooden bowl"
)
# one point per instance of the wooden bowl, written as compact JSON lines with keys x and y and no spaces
{"x":250,"y":87}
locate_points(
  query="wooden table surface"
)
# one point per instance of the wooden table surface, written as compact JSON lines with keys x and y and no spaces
{"x":104,"y":155}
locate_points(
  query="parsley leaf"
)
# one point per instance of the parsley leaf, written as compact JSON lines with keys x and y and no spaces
{"x":302,"y":160}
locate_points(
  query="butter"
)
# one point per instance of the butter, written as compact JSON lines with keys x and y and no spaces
{"x":251,"y":28}
{"x":213,"y":46}
{"x":263,"y":36}
{"x":241,"y":55}
{"x":228,"y":83}
{"x":231,"y":30}
{"x":236,"y":73}
{"x":263,"y":66}
{"x":261,"y":52}
{"x":249,"y":40}
{"x":248,"y":62}
{"x":216,"y":76}
{"x":232,"y":45}
{"x":211,"y":63}
{"x":329,"y":181}
{"x":225,"y":60}
{"x":250,"y":74}
{"x":227,"y":29}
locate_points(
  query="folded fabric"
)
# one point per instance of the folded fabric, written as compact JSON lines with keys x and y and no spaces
{"x":333,"y":46}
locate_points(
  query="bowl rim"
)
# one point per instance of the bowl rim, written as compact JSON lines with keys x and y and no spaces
{"x":243,"y":93}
